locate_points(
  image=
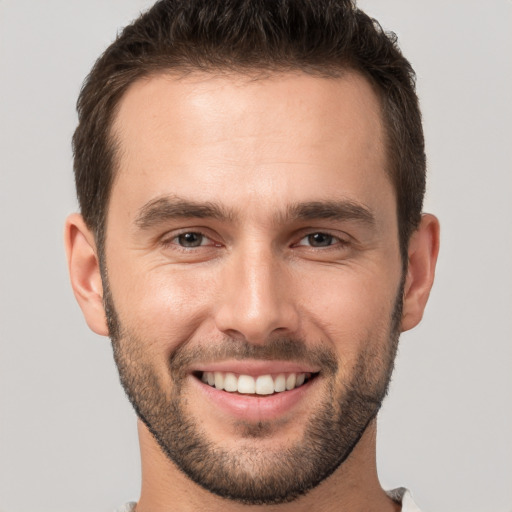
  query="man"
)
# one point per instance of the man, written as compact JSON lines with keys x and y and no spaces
{"x":251,"y":177}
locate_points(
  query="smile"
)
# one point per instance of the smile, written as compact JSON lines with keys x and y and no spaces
{"x":255,"y":390}
{"x":266,"y":384}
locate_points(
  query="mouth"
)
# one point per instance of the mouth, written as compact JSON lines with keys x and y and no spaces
{"x":255,"y":385}
{"x":255,"y":390}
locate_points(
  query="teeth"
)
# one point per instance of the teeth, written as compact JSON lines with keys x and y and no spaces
{"x":219,"y":380}
{"x":290,"y":381}
{"x":249,"y":385}
{"x":280,"y":383}
{"x":230,"y":382}
{"x":246,"y":384}
{"x":264,"y":385}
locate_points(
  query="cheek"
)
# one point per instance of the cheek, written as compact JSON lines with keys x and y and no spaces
{"x":162,"y":305}
{"x":350,"y":308}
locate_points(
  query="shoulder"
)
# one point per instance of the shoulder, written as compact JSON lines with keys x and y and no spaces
{"x":403,"y":496}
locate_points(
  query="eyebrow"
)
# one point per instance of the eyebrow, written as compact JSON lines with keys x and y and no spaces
{"x":168,"y":208}
{"x":343,"y":210}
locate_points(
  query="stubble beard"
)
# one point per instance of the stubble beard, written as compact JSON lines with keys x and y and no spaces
{"x":252,"y":475}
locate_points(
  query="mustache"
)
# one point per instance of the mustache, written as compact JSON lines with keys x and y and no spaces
{"x":186,"y":357}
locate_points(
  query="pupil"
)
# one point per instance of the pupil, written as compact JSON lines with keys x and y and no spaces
{"x":320,"y":240}
{"x":190,"y":239}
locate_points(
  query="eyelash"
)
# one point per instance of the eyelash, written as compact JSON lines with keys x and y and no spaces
{"x":337,"y":241}
{"x":173,"y":241}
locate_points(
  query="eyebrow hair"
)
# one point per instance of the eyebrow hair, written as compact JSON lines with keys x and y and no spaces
{"x":333,"y":210}
{"x":167,"y":208}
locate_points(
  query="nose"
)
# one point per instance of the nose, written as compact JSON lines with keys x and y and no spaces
{"x":256,"y":299}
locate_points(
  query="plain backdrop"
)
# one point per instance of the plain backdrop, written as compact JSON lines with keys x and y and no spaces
{"x":67,"y":434}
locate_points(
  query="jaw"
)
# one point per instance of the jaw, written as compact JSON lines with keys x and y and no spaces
{"x":215,"y":436}
{"x":355,"y":481}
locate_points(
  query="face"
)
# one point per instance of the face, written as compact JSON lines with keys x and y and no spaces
{"x":254,"y":275}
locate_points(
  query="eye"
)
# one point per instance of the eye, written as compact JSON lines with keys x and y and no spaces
{"x":319,"y":240}
{"x":189,"y":240}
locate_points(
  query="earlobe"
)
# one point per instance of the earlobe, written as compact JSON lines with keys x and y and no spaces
{"x":422,"y":253}
{"x":84,"y":272}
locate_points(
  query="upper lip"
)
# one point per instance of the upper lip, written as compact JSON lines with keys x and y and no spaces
{"x":256,"y":367}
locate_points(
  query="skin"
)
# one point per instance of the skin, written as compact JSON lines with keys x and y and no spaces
{"x":255,"y":148}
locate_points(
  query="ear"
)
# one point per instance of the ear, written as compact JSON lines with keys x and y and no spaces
{"x":422,"y":253}
{"x":84,"y":272}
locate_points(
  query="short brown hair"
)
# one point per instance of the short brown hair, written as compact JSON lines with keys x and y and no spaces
{"x":324,"y":37}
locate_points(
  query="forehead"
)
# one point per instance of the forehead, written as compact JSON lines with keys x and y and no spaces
{"x":241,"y":139}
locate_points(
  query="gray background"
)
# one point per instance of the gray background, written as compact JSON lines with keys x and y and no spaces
{"x":67,"y":434}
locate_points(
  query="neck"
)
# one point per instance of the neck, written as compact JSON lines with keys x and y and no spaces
{"x":353,"y":487}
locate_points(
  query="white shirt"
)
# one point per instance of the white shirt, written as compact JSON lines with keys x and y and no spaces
{"x":403,"y":496}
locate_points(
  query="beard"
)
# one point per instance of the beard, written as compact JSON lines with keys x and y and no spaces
{"x":253,"y":474}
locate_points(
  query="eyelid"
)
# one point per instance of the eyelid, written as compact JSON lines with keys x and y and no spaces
{"x":170,"y":238}
{"x":341,"y":238}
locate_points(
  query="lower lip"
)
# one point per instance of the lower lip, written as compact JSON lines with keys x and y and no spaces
{"x":255,"y":408}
